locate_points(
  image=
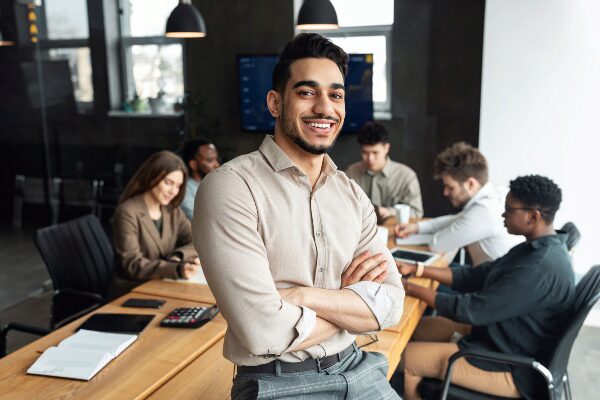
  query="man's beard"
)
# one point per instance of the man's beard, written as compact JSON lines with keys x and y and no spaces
{"x":289,"y":129}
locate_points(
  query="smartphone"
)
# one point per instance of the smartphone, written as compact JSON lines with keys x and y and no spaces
{"x":144,"y":303}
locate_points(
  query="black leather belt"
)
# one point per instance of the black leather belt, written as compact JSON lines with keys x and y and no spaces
{"x":310,"y":364}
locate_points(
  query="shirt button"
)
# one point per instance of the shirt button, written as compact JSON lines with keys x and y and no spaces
{"x":318,"y":234}
{"x":320,"y":269}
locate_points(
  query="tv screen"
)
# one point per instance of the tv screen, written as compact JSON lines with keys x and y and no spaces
{"x":255,"y":72}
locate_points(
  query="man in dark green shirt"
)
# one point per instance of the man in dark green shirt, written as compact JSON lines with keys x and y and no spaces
{"x":516,"y":304}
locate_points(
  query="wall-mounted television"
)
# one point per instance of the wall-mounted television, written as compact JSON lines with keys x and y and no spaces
{"x":254,"y":75}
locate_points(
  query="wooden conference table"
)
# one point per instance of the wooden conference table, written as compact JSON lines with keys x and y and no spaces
{"x":166,"y":363}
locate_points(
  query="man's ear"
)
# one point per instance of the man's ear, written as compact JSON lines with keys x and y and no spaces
{"x":386,"y":148}
{"x":193,"y":164}
{"x":274,"y":103}
{"x":536,"y":216}
{"x":472,"y":183}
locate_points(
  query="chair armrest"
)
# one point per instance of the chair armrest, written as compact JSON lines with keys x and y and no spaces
{"x":494,"y":357}
{"x":88,"y":295}
{"x":34,"y":330}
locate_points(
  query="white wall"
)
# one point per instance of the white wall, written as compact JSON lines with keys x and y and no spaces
{"x":540,"y":104}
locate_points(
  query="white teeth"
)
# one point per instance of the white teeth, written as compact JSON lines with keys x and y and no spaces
{"x":322,"y":126}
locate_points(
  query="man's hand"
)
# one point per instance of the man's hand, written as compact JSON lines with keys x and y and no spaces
{"x":422,"y":293}
{"x":408,"y":287}
{"x":383,"y":212}
{"x":404,"y":230}
{"x":406,"y":268}
{"x":366,"y":268}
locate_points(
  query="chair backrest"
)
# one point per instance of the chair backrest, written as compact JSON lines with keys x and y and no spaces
{"x":32,"y":189}
{"x":587,"y":294}
{"x":78,"y":255}
{"x":573,"y":235}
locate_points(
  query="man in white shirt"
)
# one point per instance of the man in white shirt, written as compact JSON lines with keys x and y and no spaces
{"x":479,"y":225}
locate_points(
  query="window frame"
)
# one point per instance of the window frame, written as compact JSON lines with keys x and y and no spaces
{"x":381,"y":109}
{"x":46,"y":44}
{"x":126,"y":41}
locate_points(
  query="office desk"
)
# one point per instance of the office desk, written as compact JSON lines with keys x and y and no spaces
{"x":156,"y":357}
{"x":173,"y":363}
{"x":176,"y":290}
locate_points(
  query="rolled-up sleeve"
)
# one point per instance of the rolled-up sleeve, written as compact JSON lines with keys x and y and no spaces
{"x":385,"y":300}
{"x":236,"y":267}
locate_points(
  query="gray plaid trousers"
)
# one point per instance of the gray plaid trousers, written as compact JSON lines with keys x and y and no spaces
{"x":361,"y":375}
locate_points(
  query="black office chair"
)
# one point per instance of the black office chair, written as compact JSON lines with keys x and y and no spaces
{"x":79,"y":258}
{"x":554,"y":375}
{"x":573,"y":235}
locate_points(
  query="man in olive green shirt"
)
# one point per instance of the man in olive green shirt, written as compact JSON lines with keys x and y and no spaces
{"x":386,"y":182}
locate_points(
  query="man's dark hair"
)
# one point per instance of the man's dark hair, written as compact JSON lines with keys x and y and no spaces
{"x":537,"y":192}
{"x":307,"y":45}
{"x":461,"y":161}
{"x":372,"y":133}
{"x":190,"y":148}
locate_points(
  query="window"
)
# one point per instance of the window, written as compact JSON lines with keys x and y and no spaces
{"x":152,"y":64}
{"x":366,"y":27}
{"x":66,"y":19}
{"x":64,"y":35}
{"x":80,"y":64}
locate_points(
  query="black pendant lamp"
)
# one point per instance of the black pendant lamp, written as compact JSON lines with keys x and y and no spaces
{"x":185,"y":21}
{"x":317,"y":15}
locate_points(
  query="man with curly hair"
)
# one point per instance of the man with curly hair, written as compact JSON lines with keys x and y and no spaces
{"x":515,"y":305}
{"x":478,"y":226}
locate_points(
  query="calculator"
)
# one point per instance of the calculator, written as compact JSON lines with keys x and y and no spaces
{"x":189,"y":317}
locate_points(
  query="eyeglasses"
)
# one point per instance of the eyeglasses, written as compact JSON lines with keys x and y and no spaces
{"x":508,"y":209}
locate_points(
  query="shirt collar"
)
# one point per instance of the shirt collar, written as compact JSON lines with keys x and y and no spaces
{"x":483,"y":192}
{"x":387,"y":168}
{"x":549,"y":240}
{"x":386,"y":171}
{"x":280,"y":161}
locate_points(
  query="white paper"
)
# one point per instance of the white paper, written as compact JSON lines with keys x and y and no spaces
{"x":197,"y":278}
{"x":82,"y":355}
{"x":415,"y":239}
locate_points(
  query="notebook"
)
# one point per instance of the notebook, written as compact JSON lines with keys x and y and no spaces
{"x":81,"y":355}
{"x":415,"y":239}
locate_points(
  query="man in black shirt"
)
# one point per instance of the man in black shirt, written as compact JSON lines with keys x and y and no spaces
{"x":516,"y":304}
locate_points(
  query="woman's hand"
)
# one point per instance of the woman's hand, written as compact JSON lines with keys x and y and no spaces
{"x":189,"y":269}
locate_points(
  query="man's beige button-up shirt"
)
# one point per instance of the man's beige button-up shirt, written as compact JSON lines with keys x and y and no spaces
{"x":259,"y":226}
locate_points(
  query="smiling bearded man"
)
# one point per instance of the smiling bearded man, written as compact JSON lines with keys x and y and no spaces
{"x":290,"y":250}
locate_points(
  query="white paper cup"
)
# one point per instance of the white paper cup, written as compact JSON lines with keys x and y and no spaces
{"x":402,"y":213}
{"x":383,"y":233}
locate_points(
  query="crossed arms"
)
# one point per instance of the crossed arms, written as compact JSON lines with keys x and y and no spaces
{"x":266,"y":321}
